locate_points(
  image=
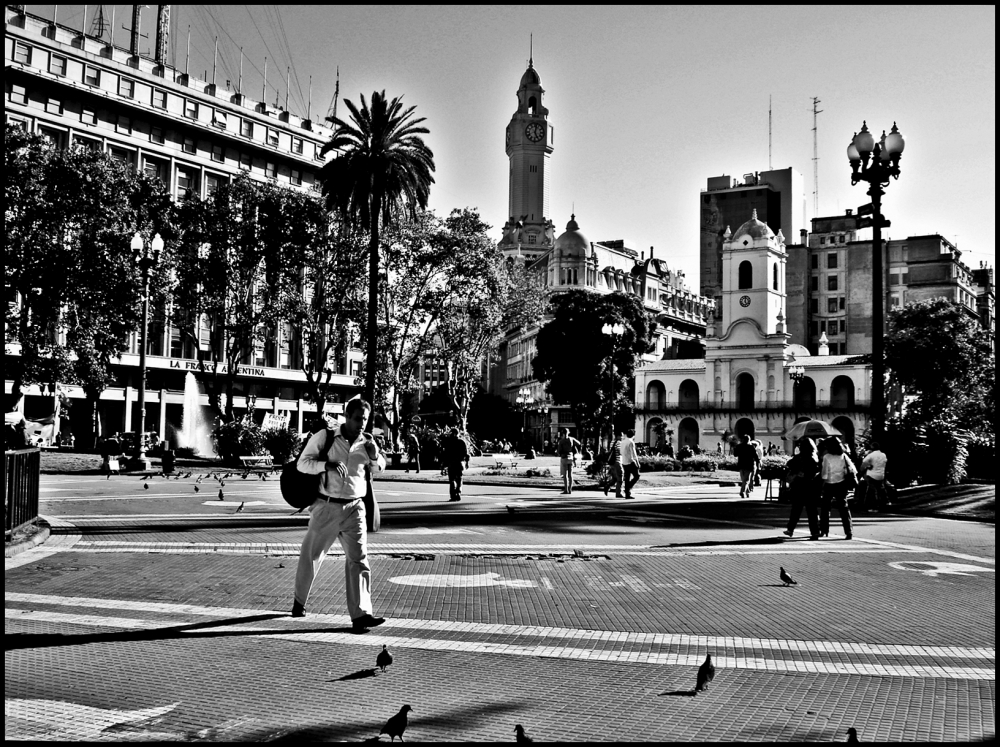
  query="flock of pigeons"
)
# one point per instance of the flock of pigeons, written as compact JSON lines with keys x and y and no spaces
{"x":221,"y":479}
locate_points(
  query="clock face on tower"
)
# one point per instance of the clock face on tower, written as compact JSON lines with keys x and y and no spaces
{"x":534,"y":132}
{"x":744,"y":301}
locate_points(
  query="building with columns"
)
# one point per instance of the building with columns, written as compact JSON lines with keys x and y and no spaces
{"x":744,"y":385}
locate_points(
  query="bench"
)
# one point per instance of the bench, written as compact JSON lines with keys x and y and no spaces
{"x":505,"y":461}
{"x":250,"y":462}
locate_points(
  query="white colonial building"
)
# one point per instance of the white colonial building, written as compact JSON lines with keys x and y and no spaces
{"x":745,"y":383}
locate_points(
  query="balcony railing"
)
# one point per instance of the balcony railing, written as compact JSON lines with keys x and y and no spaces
{"x":654,"y":407}
{"x":20,"y":473}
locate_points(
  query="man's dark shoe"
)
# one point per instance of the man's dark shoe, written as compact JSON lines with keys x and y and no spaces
{"x":298,"y":610}
{"x":366,"y":621}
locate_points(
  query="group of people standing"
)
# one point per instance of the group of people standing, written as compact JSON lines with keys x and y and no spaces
{"x":822,"y":477}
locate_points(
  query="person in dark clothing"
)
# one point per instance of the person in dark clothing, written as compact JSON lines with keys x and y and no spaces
{"x":804,"y":487}
{"x":746,"y":462}
{"x":456,"y":460}
{"x":413,"y":452}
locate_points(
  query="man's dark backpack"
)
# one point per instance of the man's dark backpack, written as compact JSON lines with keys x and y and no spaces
{"x":297,"y":488}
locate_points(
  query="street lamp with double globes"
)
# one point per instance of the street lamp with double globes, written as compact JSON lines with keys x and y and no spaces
{"x":146,"y":261}
{"x":524,"y":399}
{"x":614,"y":331}
{"x":875,"y":163}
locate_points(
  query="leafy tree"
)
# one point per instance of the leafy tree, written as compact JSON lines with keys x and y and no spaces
{"x":239,"y":261}
{"x":941,"y":362}
{"x":575,"y":357}
{"x":75,"y":210}
{"x":382,"y":169}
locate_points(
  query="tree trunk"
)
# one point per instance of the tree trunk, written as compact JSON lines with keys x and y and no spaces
{"x":371,"y":334}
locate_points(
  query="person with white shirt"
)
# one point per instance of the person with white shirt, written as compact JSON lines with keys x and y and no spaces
{"x":874,"y":466}
{"x":630,"y":462}
{"x":339,"y":512}
{"x":835,"y":470}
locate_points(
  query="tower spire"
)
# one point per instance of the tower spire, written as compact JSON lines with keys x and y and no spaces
{"x":531,"y":49}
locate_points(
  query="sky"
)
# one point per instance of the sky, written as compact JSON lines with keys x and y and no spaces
{"x":647,"y":102}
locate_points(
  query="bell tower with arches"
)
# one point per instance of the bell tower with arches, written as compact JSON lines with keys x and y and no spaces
{"x":529,"y":138}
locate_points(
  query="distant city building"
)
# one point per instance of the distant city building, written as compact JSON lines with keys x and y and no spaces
{"x":193,"y":135}
{"x":744,"y":386}
{"x":830,"y":288}
{"x":778,"y":196}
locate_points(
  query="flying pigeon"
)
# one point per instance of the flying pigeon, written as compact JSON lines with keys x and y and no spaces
{"x":222,"y":484}
{"x":221,"y":496}
{"x":786,"y":579}
{"x":197,"y":489}
{"x":521,"y":736}
{"x":227,"y":475}
{"x":396,"y":725}
{"x":706,"y":673}
{"x":384,"y":658}
{"x":188,"y":475}
{"x":145,"y":486}
{"x":852,"y":735}
{"x":240,"y":509}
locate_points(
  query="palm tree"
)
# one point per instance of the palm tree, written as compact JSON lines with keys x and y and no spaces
{"x":382,"y":168}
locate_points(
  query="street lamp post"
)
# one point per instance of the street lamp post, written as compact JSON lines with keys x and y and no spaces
{"x":524,"y":399}
{"x":140,"y":249}
{"x":614,"y":331}
{"x":874,"y":163}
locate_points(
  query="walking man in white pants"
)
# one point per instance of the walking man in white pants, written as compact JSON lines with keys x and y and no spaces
{"x":339,"y":512}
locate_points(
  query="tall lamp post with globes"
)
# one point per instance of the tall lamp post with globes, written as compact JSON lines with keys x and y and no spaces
{"x":875,"y":163}
{"x":524,"y":399}
{"x":614,"y":331}
{"x":147,"y":261}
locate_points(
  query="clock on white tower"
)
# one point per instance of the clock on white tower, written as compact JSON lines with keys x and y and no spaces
{"x":535,"y":131}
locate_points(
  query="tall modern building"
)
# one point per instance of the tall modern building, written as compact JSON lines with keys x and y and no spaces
{"x":778,"y":196}
{"x":194,"y":135}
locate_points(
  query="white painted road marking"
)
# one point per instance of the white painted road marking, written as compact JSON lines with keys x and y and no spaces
{"x":58,"y":720}
{"x":938,"y":569}
{"x":456,"y":581}
{"x":731,"y":652}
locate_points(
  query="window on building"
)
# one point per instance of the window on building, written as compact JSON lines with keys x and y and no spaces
{"x":814,"y":283}
{"x":813,"y":305}
{"x":831,"y":305}
{"x":122,"y":155}
{"x":531,"y":238}
{"x":88,"y":117}
{"x":156,"y":135}
{"x":893,"y":277}
{"x":17,"y":94}
{"x":841,"y":303}
{"x":904,"y":276}
{"x":154,"y":169}
{"x":220,"y":120}
{"x":843,"y":326}
{"x":218,"y":153}
{"x":774,"y":278}
{"x":190,"y":109}
{"x":831,"y":283}
{"x":54,"y":106}
{"x":55,"y":136}
{"x":57,"y":65}
{"x":272,"y":138}
{"x":270,"y":170}
{"x":188,"y":146}
{"x":123,"y":125}
{"x":246,"y":128}
{"x":814,"y":263}
{"x":91,"y":75}
{"x":840,"y":239}
{"x":89,"y":143}
{"x":356,"y":368}
{"x":822,"y":240}
{"x":831,"y":260}
{"x":126,"y":88}
{"x":296,"y":145}
{"x":213,"y":182}
{"x":22,"y":53}
{"x":296,"y":177}
{"x":187,"y":183}
{"x":745,"y":275}
{"x":245,"y":161}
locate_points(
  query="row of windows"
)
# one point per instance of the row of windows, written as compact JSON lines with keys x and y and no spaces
{"x":745,"y":276}
{"x":833,"y":304}
{"x":831,"y":261}
{"x":58,"y":65}
{"x":838,"y":239}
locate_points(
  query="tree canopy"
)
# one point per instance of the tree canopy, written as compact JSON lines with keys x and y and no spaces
{"x":575,"y":358}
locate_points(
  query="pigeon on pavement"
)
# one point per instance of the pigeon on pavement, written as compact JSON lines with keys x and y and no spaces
{"x":197,"y":489}
{"x":521,"y":736}
{"x":222,"y":497}
{"x":786,"y":579}
{"x":384,"y":658}
{"x":239,"y":510}
{"x":852,"y":735}
{"x":396,"y":725}
{"x":706,"y":673}
{"x":145,"y":486}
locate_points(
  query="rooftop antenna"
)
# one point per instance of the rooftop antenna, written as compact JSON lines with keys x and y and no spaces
{"x":187,"y":56}
{"x":55,"y":13}
{"x":112,"y":41}
{"x":769,"y":167}
{"x":162,"y":33}
{"x":100,"y":24}
{"x":215,"y":60}
{"x":815,"y":159}
{"x":531,"y":48}
{"x":263,"y":90}
{"x":83,"y":21}
{"x":136,"y":21}
{"x":239,"y":88}
{"x":309,"y":105}
{"x":288,"y":72}
{"x":331,"y":113}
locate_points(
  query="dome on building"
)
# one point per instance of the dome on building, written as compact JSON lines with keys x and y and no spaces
{"x":753,"y":228}
{"x":572,"y":242}
{"x":531,"y":77}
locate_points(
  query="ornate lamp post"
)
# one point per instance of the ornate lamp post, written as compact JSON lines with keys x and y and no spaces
{"x":614,"y":331}
{"x":874,"y":163}
{"x":140,"y":249}
{"x":524,"y":399}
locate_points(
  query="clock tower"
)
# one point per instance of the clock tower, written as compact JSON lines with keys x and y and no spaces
{"x":529,"y":143}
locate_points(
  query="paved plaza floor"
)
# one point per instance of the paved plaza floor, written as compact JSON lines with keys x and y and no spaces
{"x":163,"y":613}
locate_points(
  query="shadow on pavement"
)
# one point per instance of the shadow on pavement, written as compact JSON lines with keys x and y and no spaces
{"x":687,"y":693}
{"x":189,"y":631}
{"x":361,"y":674}
{"x":710,"y":543}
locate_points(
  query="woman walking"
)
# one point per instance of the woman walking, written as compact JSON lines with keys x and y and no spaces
{"x":839,"y":476}
{"x":804,"y":486}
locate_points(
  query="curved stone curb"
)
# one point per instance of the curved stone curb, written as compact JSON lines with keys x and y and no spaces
{"x":16,"y":548}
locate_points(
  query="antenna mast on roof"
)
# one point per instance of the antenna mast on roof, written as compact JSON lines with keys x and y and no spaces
{"x":769,"y":167}
{"x":531,"y":49}
{"x":331,"y":113}
{"x":815,"y":159}
{"x":100,"y":24}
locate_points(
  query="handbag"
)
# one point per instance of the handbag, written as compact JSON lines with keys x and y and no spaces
{"x":373,"y":516}
{"x":297,"y":488}
{"x":850,"y":475}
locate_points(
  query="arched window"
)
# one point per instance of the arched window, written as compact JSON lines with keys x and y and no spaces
{"x":656,"y":396}
{"x":774,"y":273}
{"x":744,"y":391}
{"x":805,"y":394}
{"x":688,"y":394}
{"x":687,"y":432}
{"x":746,"y":275}
{"x":532,"y":104}
{"x":842,"y":392}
